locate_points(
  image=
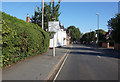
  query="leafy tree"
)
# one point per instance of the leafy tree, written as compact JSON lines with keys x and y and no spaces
{"x":85,"y":38}
{"x":92,"y":36}
{"x":114,"y":25}
{"x":101,"y":35}
{"x":50,"y":11}
{"x":74,"y":33}
{"x":88,"y":37}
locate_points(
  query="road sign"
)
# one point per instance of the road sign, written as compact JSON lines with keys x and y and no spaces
{"x":53,"y":26}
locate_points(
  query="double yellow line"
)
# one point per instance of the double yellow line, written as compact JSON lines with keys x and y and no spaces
{"x":67,"y":54}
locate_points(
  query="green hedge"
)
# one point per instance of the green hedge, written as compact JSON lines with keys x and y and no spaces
{"x":21,"y":39}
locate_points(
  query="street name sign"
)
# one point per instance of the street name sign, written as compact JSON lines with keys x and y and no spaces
{"x":53,"y":26}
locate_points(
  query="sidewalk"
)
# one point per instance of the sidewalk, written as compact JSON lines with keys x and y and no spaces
{"x":36,"y":68}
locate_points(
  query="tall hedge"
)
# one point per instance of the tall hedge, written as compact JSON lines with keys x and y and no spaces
{"x":114,"y":25}
{"x":21,"y":39}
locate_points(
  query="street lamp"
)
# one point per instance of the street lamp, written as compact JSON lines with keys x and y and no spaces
{"x":98,"y":28}
{"x":42,"y":14}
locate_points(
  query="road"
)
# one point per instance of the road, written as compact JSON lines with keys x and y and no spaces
{"x":90,"y":63}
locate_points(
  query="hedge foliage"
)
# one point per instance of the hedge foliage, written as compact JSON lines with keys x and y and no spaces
{"x":21,"y":39}
{"x":114,"y":25}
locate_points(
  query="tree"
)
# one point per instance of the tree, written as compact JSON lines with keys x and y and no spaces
{"x":101,"y":35}
{"x":89,"y":37}
{"x":74,"y":33}
{"x":50,"y":11}
{"x":85,"y":38}
{"x":114,"y":25}
{"x":92,"y":36}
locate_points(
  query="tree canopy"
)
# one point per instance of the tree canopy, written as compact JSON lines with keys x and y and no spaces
{"x":114,"y":25}
{"x":101,"y":35}
{"x":89,"y":37}
{"x":74,"y":33}
{"x":50,"y":11}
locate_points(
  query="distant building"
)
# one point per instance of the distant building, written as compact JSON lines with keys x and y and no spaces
{"x":28,"y":18}
{"x":68,"y":39}
{"x":119,"y":7}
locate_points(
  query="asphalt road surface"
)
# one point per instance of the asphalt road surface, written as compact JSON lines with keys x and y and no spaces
{"x":90,"y":63}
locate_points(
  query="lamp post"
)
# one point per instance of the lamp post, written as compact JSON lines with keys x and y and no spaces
{"x":42,"y":14}
{"x":98,"y":28}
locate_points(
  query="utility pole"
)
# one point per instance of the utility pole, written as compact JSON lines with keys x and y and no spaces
{"x":42,"y":14}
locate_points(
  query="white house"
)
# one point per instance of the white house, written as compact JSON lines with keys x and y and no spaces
{"x":59,"y":38}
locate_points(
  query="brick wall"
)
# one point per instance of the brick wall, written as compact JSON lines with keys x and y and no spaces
{"x":116,"y":46}
{"x":105,"y":45}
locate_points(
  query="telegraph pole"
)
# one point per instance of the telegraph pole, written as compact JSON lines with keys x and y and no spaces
{"x":42,"y":14}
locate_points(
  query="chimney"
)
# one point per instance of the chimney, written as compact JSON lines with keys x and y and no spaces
{"x":28,"y":18}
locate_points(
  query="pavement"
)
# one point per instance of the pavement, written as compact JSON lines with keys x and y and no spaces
{"x":82,"y":62}
{"x":39,"y":67}
{"x":90,"y":63}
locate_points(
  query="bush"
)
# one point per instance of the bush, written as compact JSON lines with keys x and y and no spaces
{"x":21,"y":39}
{"x":114,"y":25}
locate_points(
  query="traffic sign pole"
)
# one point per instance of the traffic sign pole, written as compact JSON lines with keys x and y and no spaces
{"x":54,"y":45}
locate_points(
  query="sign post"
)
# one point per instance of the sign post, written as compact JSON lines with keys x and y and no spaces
{"x":53,"y":27}
{"x":54,"y":45}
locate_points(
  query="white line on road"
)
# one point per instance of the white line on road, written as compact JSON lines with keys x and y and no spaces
{"x":61,"y":66}
{"x":99,"y":56}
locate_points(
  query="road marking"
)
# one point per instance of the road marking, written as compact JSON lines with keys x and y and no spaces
{"x":61,"y":66}
{"x":99,"y":56}
{"x":56,"y":66}
{"x":81,"y":55}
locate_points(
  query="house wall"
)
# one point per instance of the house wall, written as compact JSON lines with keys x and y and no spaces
{"x":55,"y":41}
{"x":64,"y":38}
{"x":59,"y":39}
